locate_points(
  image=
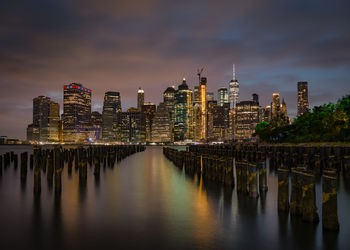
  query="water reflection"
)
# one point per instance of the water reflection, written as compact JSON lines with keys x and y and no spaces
{"x":145,"y":201}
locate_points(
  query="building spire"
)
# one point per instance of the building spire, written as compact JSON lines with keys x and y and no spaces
{"x":234,"y":72}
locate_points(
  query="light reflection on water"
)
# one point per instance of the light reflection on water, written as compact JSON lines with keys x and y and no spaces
{"x":146,"y":202}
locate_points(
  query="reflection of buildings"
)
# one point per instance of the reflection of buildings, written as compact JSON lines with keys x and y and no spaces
{"x":110,"y":116}
{"x":303,"y":102}
{"x":45,"y":126}
{"x":161,"y":124}
{"x":76,"y":113}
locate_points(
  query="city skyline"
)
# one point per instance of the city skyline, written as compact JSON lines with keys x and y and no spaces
{"x":120,"y":46}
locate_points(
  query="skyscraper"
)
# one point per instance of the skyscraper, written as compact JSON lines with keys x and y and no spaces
{"x":54,"y":122}
{"x":203,"y":103}
{"x":183,"y":115}
{"x":41,"y":110}
{"x":210,"y":96}
{"x":303,"y":101}
{"x":222,"y":96}
{"x":96,"y":126}
{"x":275,"y":106}
{"x":161,"y":125}
{"x":76,"y":113}
{"x":148,"y":110}
{"x":140,"y":98}
{"x":110,"y":116}
{"x":255,"y":98}
{"x":45,"y":120}
{"x":234,"y":90}
{"x":131,"y":126}
{"x":247,"y":117}
{"x":169,"y":102}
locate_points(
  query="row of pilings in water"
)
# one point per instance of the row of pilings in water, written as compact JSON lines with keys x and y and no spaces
{"x":51,"y":161}
{"x":297,"y":167}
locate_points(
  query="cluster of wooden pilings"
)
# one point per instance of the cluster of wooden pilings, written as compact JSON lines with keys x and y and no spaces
{"x":51,"y":162}
{"x":298,"y":164}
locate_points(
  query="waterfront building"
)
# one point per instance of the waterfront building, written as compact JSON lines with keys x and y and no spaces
{"x":267,"y":114}
{"x":216,"y":122}
{"x":275,"y":106}
{"x":140,"y":98}
{"x":110,"y":116}
{"x":169,"y":102}
{"x":76,"y":113}
{"x":210,"y":96}
{"x":203,"y":105}
{"x":247,"y":117}
{"x":148,"y":110}
{"x":96,"y":126}
{"x":222,"y":96}
{"x":54,"y":122}
{"x":131,"y":126}
{"x":233,"y":90}
{"x":196,"y":95}
{"x":183,"y":113}
{"x":45,"y":120}
{"x":283,"y":111}
{"x":303,"y":101}
{"x":161,"y":132}
{"x":255,"y":98}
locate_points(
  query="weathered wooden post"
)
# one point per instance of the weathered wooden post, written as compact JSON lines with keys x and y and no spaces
{"x":24,"y":165}
{"x":308,"y":201}
{"x":50,"y":169}
{"x":346,"y":167}
{"x":31,"y":161}
{"x":296,"y":193}
{"x":253,"y":184}
{"x":283,"y":190}
{"x":0,"y":165}
{"x":329,"y":201}
{"x":37,"y":171}
{"x":58,"y":170}
{"x":15,"y":160}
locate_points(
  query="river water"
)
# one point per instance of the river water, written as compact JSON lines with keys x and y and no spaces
{"x":145,"y":202}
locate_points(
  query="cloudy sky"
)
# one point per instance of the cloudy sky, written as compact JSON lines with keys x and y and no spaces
{"x":121,"y":45}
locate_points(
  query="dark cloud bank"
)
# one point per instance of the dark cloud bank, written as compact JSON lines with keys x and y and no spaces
{"x":121,"y":45}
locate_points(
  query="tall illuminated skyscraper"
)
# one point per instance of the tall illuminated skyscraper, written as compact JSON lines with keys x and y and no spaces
{"x":203,"y":103}
{"x":54,"y":122}
{"x":222,"y":96}
{"x":110,"y":116}
{"x":161,"y":125}
{"x":148,"y":110}
{"x":275,"y":106}
{"x":183,"y":116}
{"x":45,"y":120}
{"x":140,"y":98}
{"x":169,"y":102}
{"x":234,"y":89}
{"x":76,"y":113}
{"x":303,"y":101}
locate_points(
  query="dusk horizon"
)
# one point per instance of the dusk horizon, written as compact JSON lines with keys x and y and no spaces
{"x":121,"y":46}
